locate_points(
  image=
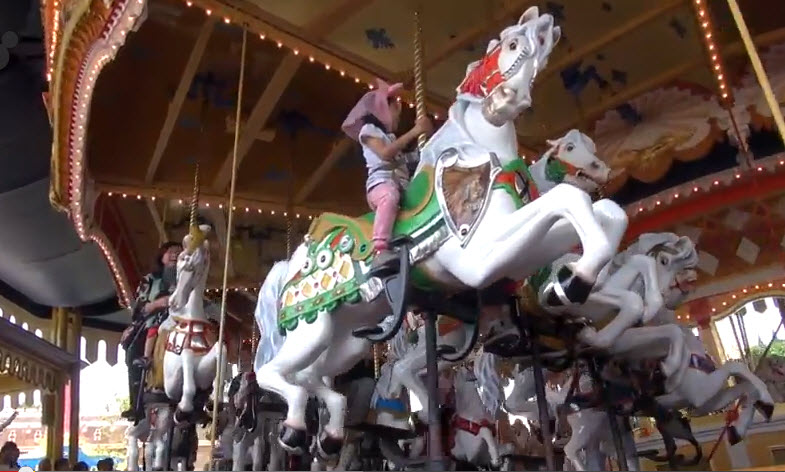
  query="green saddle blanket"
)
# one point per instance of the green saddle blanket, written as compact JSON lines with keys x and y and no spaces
{"x":418,"y":206}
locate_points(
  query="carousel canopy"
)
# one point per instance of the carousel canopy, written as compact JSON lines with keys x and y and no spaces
{"x":143,"y":90}
{"x":42,"y":262}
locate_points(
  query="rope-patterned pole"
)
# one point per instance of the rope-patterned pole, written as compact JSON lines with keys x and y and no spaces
{"x":377,"y":364}
{"x":419,"y":73}
{"x":757,"y":66}
{"x":289,"y":230}
{"x":218,"y":389}
{"x":195,"y":197}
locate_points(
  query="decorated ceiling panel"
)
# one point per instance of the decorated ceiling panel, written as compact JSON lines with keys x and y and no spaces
{"x":634,"y":75}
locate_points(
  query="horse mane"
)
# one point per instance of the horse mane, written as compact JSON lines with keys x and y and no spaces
{"x":489,"y":382}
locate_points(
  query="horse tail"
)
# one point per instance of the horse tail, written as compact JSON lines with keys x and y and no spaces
{"x":270,"y":337}
{"x":489,"y":382}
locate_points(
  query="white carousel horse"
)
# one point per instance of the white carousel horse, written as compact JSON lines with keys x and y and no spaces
{"x":695,"y":381}
{"x":155,"y":430}
{"x":327,"y":292}
{"x":772,"y":371}
{"x":250,"y":441}
{"x":139,"y":432}
{"x":190,"y":361}
{"x":478,"y":396}
{"x":703,"y":386}
{"x":570,"y":159}
{"x":521,"y":400}
{"x":390,"y":400}
{"x":655,"y":271}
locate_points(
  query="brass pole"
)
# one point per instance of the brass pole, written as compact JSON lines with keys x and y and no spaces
{"x":757,"y":66}
{"x":73,"y":427}
{"x":218,"y":389}
{"x":419,"y":73}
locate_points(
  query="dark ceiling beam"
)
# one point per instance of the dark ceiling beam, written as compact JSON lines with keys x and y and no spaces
{"x":259,"y":117}
{"x":186,"y":78}
{"x":610,"y":36}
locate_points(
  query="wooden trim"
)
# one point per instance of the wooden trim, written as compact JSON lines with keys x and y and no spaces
{"x":759,"y":188}
{"x":319,"y":27}
{"x":176,"y":191}
{"x":258,"y":119}
{"x":610,"y":36}
{"x":340,"y":148}
{"x":186,"y":78}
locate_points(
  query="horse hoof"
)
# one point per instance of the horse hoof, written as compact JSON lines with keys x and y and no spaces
{"x":445,"y":349}
{"x":733,"y":436}
{"x":292,"y":440}
{"x":576,"y":289}
{"x":765,"y":409}
{"x":329,"y":446}
{"x":181,"y":416}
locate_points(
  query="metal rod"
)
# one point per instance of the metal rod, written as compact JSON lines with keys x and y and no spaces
{"x":539,"y":390}
{"x":613,"y":422}
{"x":435,"y":454}
{"x":757,"y":66}
{"x":218,"y":389}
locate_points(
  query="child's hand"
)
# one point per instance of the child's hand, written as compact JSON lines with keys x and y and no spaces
{"x":423,"y":125}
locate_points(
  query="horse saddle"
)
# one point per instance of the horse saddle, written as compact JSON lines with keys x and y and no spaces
{"x":417,"y":208}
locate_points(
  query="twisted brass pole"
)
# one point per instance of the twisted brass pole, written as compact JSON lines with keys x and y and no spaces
{"x":419,"y":74}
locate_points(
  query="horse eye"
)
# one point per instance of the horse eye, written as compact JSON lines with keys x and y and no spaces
{"x":570,"y":147}
{"x":664,"y":260}
{"x":513,"y":45}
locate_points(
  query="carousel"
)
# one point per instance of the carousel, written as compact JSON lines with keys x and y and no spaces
{"x":582,"y":268}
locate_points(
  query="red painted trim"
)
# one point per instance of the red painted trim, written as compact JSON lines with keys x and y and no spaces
{"x":705,"y":203}
{"x":116,"y":233}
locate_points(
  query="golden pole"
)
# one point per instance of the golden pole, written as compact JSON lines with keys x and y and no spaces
{"x":419,"y":73}
{"x":73,"y":427}
{"x":218,"y":389}
{"x":757,"y":66}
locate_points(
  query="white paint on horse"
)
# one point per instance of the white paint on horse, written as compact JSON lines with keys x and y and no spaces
{"x":189,"y":371}
{"x":509,"y":242}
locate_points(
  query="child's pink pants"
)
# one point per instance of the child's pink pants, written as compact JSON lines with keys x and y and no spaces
{"x":383,"y":199}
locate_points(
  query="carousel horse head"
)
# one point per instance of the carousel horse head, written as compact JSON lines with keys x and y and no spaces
{"x":192,"y":266}
{"x":772,"y":370}
{"x":502,"y":80}
{"x":572,"y":159}
{"x":676,"y":259}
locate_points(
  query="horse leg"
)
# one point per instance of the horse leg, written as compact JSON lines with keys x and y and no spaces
{"x":509,"y":246}
{"x":493,"y":448}
{"x":258,"y":447}
{"x":186,"y":404}
{"x":406,"y":372}
{"x":301,"y":348}
{"x":586,"y":426}
{"x":630,"y":309}
{"x":640,"y":340}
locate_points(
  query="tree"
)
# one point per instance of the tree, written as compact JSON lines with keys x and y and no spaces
{"x":777,"y":349}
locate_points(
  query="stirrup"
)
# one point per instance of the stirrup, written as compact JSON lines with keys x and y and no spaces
{"x":396,"y":290}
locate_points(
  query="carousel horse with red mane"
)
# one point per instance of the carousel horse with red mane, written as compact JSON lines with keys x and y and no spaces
{"x":463,"y":226}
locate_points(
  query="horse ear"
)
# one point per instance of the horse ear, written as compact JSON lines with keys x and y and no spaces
{"x":531,"y":13}
{"x":491,"y":44}
{"x":471,"y":67}
{"x":556,"y":35}
{"x":552,"y":142}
